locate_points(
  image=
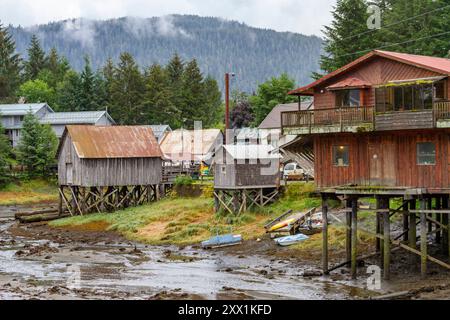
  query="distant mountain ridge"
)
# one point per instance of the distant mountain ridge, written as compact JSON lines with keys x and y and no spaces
{"x":219,"y":45}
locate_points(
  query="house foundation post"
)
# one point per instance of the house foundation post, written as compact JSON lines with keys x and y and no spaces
{"x":325,"y":234}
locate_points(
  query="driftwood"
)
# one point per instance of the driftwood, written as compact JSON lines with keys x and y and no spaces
{"x":42,"y":217}
{"x":395,"y":295}
{"x":34,"y":212}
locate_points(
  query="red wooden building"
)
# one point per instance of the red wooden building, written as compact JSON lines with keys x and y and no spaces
{"x":381,"y":127}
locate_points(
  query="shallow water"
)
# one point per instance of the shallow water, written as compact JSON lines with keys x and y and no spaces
{"x":115,"y":270}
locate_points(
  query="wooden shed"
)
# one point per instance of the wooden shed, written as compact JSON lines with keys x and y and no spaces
{"x":108,"y":167}
{"x":245,"y":175}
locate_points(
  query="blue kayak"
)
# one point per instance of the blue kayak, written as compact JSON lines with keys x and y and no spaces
{"x":290,"y":240}
{"x":222,"y":241}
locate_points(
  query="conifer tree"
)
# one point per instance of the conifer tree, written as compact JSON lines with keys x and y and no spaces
{"x":5,"y":155}
{"x":37,"y":60}
{"x":158,"y":98}
{"x":127,"y":90}
{"x":10,"y":66}
{"x":27,"y":152}
{"x":193,"y":103}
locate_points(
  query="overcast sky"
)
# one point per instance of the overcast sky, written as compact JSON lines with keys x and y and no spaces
{"x":303,"y":16}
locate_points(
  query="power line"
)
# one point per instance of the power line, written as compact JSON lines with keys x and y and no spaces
{"x":396,"y":23}
{"x":393,"y":44}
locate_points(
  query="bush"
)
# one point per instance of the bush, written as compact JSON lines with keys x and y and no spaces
{"x":183,"y":181}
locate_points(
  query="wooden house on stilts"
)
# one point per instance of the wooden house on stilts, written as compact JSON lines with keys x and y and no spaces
{"x":107,"y":168}
{"x":245,"y":176}
{"x":381,"y":128}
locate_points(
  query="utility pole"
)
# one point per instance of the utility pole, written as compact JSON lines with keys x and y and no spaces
{"x":227,"y":103}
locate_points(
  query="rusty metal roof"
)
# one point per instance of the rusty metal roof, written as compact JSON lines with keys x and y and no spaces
{"x":98,"y":142}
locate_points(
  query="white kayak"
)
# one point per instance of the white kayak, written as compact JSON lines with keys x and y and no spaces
{"x":290,"y":240}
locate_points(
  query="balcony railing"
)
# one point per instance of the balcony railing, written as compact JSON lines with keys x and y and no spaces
{"x":352,"y":119}
{"x":345,"y":116}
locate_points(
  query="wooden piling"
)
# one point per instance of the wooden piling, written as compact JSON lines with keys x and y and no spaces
{"x":439,"y":219}
{"x":378,"y":225}
{"x":348,"y":238}
{"x":325,"y":235}
{"x":412,"y":229}
{"x":423,"y":238}
{"x":354,"y":234}
{"x":445,"y":243}
{"x":386,"y":245}
{"x":405,"y":225}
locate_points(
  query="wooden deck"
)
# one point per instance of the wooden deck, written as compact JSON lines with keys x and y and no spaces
{"x":363,"y":119}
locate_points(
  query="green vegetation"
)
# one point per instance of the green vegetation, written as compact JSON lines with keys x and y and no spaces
{"x":189,"y":220}
{"x":183,"y":180}
{"x":5,"y":156}
{"x":37,"y":147}
{"x":348,"y":36}
{"x":29,"y":192}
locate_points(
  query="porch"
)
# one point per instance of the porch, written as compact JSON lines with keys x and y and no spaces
{"x":364,"y":119}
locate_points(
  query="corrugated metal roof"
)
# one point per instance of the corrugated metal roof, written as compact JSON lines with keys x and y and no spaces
{"x":186,"y":145}
{"x":251,"y":151}
{"x":97,"y":142}
{"x":82,"y":117}
{"x":273,"y":119}
{"x":438,"y":65}
{"x":159,"y":130}
{"x":20,"y":109}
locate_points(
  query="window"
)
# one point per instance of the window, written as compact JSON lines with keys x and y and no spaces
{"x":340,"y":156}
{"x":426,"y":153}
{"x":347,"y":98}
{"x":439,"y":90}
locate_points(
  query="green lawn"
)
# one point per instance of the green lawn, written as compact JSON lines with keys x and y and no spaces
{"x":29,"y":192}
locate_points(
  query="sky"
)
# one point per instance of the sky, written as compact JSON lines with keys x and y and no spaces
{"x":302,"y":16}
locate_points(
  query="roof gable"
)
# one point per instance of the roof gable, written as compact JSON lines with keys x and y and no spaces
{"x":21,"y":109}
{"x":97,"y":142}
{"x":273,"y":119}
{"x":81,"y":117}
{"x":437,"y":65}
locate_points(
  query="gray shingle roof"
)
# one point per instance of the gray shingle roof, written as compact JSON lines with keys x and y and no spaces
{"x":273,"y":119}
{"x":82,"y":117}
{"x":20,"y":109}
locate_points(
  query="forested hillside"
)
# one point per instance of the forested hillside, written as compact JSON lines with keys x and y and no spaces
{"x":219,"y":46}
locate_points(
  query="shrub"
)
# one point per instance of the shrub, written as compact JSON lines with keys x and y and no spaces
{"x":183,"y":181}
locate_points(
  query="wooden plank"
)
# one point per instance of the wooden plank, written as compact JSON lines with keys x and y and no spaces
{"x":423,"y":239}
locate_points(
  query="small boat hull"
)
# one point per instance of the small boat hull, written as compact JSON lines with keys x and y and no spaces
{"x":222,"y":241}
{"x":290,"y":240}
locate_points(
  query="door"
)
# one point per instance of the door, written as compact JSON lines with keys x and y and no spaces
{"x":382,"y":163}
{"x":69,"y":173}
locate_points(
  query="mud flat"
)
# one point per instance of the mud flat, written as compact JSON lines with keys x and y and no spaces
{"x":39,"y":262}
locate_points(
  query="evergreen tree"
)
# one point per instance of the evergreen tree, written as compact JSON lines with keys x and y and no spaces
{"x":55,"y":70}
{"x":37,"y":60}
{"x":46,"y":149}
{"x":68,"y":92}
{"x":419,"y":35}
{"x":157,"y":101}
{"x":346,"y":36}
{"x":175,"y":69}
{"x":127,"y":91}
{"x":270,"y":94}
{"x":28,"y":149}
{"x":9,"y":67}
{"x":193,"y":104}
{"x":213,"y":112}
{"x":87,"y":101}
{"x":5,"y":155}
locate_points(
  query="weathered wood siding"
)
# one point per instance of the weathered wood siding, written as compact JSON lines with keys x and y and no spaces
{"x":387,"y":159}
{"x":106,"y":172}
{"x":377,"y":71}
{"x":404,"y":120}
{"x":262,"y":174}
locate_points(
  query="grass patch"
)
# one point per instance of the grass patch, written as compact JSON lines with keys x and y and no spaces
{"x":29,"y":192}
{"x":177,"y":220}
